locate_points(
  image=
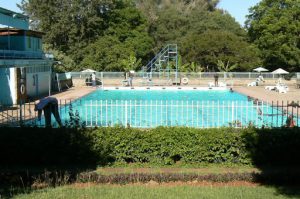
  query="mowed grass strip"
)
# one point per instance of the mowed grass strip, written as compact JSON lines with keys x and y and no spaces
{"x":190,"y":169}
{"x":208,"y":191}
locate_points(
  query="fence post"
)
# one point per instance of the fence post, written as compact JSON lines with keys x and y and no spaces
{"x":126,"y":112}
{"x":232,"y":113}
{"x":86,"y":114}
{"x":21,"y":114}
{"x":96,"y":113}
{"x":91,"y":113}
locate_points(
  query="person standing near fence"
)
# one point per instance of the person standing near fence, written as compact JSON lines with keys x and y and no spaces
{"x":130,"y":78}
{"x":94,"y":79}
{"x":48,"y":105}
{"x":216,"y":76}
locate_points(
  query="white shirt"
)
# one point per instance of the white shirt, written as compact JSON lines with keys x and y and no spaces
{"x":43,"y":102}
{"x":93,"y":77}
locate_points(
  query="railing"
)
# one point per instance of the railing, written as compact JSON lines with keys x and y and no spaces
{"x":153,"y":113}
{"x":14,"y":54}
{"x":202,"y":75}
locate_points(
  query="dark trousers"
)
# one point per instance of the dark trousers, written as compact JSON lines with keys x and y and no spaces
{"x":48,"y":109}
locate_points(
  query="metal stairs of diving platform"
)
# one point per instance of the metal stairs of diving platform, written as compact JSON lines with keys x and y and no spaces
{"x":163,"y":61}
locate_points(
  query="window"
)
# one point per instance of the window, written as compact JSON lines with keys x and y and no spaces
{"x":29,"y":42}
{"x":38,"y":43}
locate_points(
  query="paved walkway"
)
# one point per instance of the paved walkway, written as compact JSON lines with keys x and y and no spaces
{"x":260,"y":93}
{"x":74,"y":93}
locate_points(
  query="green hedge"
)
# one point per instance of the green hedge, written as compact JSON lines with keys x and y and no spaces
{"x":170,"y":145}
{"x":160,"y":146}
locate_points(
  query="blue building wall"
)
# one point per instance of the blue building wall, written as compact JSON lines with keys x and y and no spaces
{"x":33,"y":44}
{"x":6,"y":92}
{"x":21,"y":43}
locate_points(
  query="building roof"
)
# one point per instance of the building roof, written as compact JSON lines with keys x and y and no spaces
{"x":18,"y":32}
{"x":13,"y":19}
{"x":13,"y":14}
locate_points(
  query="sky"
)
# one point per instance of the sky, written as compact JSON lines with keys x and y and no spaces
{"x":237,"y":8}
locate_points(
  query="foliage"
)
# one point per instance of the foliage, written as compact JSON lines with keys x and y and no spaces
{"x":131,"y":63}
{"x":83,"y":30}
{"x":163,"y":177}
{"x":63,"y":62}
{"x":160,"y":146}
{"x":189,"y":67}
{"x":48,"y":147}
{"x":225,"y":67}
{"x":211,"y":46}
{"x":152,"y":8}
{"x":104,"y":35}
{"x":289,"y":76}
{"x":273,"y":26}
{"x":126,"y":38}
{"x":75,"y":120}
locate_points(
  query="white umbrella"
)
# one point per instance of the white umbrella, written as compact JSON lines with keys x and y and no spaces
{"x":260,"y":69}
{"x":280,"y":71}
{"x":88,"y":71}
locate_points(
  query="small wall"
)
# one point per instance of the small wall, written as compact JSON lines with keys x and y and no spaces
{"x":6,"y":86}
{"x":37,"y":84}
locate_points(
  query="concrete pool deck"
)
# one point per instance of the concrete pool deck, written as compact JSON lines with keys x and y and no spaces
{"x":258,"y":92}
{"x":261,"y":93}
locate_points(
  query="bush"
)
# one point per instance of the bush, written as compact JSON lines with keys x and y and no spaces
{"x":289,"y":76}
{"x":160,"y":146}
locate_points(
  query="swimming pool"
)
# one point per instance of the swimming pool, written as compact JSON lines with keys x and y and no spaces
{"x":191,"y":108}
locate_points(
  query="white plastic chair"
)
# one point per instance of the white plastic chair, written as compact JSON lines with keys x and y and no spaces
{"x":222,"y":84}
{"x":211,"y":84}
{"x":252,"y":84}
{"x":269,"y":88}
{"x":282,"y":88}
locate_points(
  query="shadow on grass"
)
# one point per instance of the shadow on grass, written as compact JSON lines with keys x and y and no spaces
{"x":276,"y":153}
{"x":34,"y":157}
{"x":38,"y":157}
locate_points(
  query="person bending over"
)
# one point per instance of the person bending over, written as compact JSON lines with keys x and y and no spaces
{"x":48,"y":105}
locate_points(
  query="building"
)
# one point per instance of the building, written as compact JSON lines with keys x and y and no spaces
{"x":25,"y":72}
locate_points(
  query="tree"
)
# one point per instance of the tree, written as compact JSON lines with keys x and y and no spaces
{"x":151,"y":8}
{"x":94,"y":33}
{"x":68,"y":22}
{"x":125,"y":37}
{"x":193,"y":32}
{"x":211,"y":46}
{"x":226,"y":67}
{"x":131,"y":63}
{"x":65,"y":62}
{"x":274,"y":27}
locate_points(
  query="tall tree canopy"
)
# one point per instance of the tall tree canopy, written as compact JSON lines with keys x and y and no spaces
{"x":125,"y":37}
{"x":194,"y":30}
{"x":108,"y":34}
{"x":90,"y":31}
{"x":274,"y":26}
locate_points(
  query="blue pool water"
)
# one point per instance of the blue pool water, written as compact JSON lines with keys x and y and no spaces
{"x":166,"y":95}
{"x":193,"y":108}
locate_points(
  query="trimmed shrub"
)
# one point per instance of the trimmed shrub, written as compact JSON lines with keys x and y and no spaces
{"x":160,"y":146}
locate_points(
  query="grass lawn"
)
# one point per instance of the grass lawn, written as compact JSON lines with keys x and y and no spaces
{"x":155,"y":191}
{"x":179,"y":169}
